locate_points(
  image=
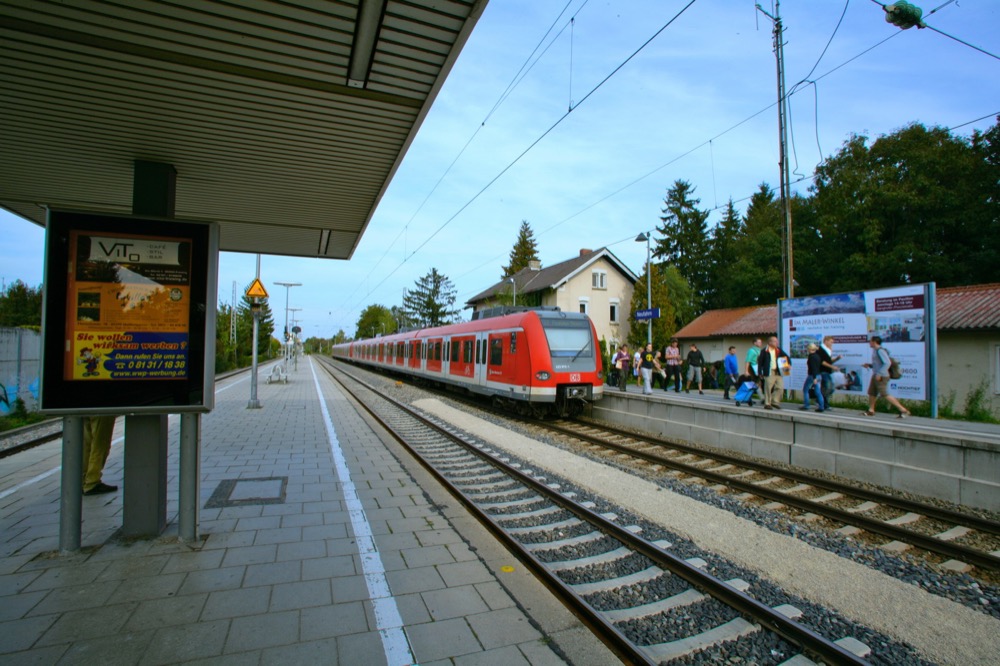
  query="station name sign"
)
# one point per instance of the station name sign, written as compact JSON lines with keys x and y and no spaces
{"x":647,"y":314}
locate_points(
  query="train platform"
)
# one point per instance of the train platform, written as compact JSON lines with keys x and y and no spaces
{"x":319,"y":544}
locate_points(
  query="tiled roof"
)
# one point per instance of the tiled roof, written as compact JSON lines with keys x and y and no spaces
{"x":712,"y":322}
{"x":973,"y":307}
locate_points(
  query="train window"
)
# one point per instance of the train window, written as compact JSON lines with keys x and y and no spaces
{"x":456,"y":347}
{"x":496,"y":351}
{"x":437,"y":351}
{"x":467,"y":351}
{"x":513,"y":342}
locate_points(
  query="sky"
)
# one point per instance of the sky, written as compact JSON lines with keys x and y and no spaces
{"x":597,"y":127}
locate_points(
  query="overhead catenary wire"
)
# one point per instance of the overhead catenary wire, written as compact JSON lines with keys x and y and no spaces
{"x":534,"y":143}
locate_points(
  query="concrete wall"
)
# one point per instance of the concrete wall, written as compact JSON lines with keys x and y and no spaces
{"x":933,"y":461}
{"x":20,"y":360}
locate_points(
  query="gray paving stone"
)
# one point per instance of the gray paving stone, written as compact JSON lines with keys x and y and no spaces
{"x":502,"y":627}
{"x":329,"y":567}
{"x":157,"y":613}
{"x":148,"y":587}
{"x":273,"y":573}
{"x":427,"y":556}
{"x":263,"y":631}
{"x":124,"y":567}
{"x":360,"y":649}
{"x":67,"y":576}
{"x":415,"y":580}
{"x":212,"y":580}
{"x":194,"y":561}
{"x":172,"y":645}
{"x":126,"y":648}
{"x":75,"y":597}
{"x":505,"y":656}
{"x":236,"y":603}
{"x":250,"y":555}
{"x":441,"y":640}
{"x":454,"y":602}
{"x":464,"y":573}
{"x":313,"y":652}
{"x":23,"y":633}
{"x":301,"y":550}
{"x":289,"y":596}
{"x":86,"y":624}
{"x":494,"y":594}
{"x":13,"y":583}
{"x":340,"y":619}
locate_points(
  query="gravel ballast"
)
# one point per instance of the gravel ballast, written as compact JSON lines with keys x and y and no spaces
{"x":943,"y":630}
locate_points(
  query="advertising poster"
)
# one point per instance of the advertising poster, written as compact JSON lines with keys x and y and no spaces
{"x":898,"y":315}
{"x":128,"y":301}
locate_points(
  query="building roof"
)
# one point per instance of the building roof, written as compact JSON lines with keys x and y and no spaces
{"x":968,"y":308}
{"x":528,"y":280}
{"x":972,"y":307}
{"x":285,"y":121}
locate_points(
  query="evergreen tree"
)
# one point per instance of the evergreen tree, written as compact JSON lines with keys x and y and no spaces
{"x":21,"y":305}
{"x":722,"y":256}
{"x":225,"y":348}
{"x":685,"y":241}
{"x":244,"y":332}
{"x":525,"y":250}
{"x":759,"y":252}
{"x":375,"y":320}
{"x":430,"y":302}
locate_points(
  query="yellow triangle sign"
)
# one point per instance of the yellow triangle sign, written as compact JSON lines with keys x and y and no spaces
{"x":256,"y":289}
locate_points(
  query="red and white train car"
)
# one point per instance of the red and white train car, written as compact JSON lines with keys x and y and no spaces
{"x":538,"y":361}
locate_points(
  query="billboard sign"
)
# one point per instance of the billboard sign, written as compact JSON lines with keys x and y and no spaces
{"x":902,"y":316}
{"x":129,"y":314}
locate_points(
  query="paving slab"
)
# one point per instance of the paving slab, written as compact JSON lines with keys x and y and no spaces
{"x":283,"y":571}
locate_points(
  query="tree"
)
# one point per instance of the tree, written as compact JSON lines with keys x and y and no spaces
{"x":917,"y":205}
{"x":21,"y":305}
{"x":375,"y":320}
{"x":723,"y":252}
{"x":666,"y":325}
{"x":430,"y":302}
{"x":524,"y":251}
{"x":758,"y":264}
{"x":685,"y":238}
{"x":244,"y":331}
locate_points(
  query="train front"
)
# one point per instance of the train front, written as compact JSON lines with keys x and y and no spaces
{"x":576,"y":361}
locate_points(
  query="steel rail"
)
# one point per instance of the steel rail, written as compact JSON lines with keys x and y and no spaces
{"x":809,"y":641}
{"x":955,"y":551}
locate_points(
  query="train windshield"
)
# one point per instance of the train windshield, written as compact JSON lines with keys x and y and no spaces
{"x":569,"y":338}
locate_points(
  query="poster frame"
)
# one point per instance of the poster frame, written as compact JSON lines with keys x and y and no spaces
{"x":193,"y":393}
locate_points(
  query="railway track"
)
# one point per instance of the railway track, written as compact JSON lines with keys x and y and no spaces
{"x":906,"y":523}
{"x":647,"y":604}
{"x":28,"y":437}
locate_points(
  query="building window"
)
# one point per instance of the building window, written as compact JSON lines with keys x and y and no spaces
{"x":599,"y":279}
{"x":614,"y":313}
{"x":584,"y":305}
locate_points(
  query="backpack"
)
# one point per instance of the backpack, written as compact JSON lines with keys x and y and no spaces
{"x":895,"y":372}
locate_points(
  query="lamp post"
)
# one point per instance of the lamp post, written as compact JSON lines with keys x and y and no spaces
{"x":513,"y":286}
{"x":645,"y":236}
{"x":287,"y":286}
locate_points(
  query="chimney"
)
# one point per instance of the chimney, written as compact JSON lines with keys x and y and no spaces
{"x":534,"y":265}
{"x":585,"y":252}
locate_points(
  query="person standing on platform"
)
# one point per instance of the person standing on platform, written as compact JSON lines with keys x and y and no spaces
{"x":814,"y":367}
{"x":97,"y":432}
{"x":672,"y":357}
{"x":771,"y":365}
{"x":878,"y":387}
{"x":695,"y":361}
{"x":731,"y":368}
{"x":827,"y":368}
{"x":646,"y":369}
{"x":752,"y":355}
{"x":623,"y":363}
{"x":636,"y":363}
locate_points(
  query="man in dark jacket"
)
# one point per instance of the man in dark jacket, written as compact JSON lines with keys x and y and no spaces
{"x":771,"y":365}
{"x":695,"y":361}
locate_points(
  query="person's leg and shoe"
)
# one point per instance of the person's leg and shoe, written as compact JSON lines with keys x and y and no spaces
{"x":97,"y":432}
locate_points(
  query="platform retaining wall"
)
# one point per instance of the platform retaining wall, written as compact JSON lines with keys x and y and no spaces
{"x":928,"y":460}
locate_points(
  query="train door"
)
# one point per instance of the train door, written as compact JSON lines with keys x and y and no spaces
{"x":481,"y":342}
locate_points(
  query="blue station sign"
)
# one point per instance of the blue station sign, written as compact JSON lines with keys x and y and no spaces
{"x":647,"y":314}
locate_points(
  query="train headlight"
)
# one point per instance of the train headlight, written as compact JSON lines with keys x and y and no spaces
{"x":542,"y":376}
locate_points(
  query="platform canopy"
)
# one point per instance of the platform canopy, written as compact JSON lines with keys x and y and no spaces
{"x":285,"y":120}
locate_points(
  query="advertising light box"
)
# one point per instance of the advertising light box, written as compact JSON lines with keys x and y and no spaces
{"x":129,"y":315}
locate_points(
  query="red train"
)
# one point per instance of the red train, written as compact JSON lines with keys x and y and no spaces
{"x":540,"y":362}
